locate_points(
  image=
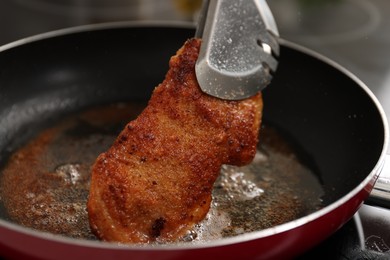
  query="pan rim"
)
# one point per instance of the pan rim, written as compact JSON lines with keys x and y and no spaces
{"x":370,"y":178}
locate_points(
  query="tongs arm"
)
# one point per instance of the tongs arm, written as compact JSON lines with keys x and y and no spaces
{"x":239,"y":48}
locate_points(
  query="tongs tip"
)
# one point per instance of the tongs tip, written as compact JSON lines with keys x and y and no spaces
{"x":239,"y":48}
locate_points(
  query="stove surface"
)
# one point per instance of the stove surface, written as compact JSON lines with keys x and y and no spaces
{"x":365,"y":236}
{"x":354,"y":33}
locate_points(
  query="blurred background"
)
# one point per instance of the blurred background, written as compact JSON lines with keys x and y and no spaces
{"x":354,"y":33}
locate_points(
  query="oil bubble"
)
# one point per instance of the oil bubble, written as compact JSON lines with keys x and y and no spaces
{"x":70,"y":172}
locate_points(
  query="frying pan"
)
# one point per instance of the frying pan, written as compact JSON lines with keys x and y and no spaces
{"x":331,"y":114}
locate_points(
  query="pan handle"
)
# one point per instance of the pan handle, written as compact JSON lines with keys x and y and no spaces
{"x":380,"y":194}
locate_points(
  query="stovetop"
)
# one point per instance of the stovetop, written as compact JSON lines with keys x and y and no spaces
{"x":354,"y":33}
{"x":365,"y":236}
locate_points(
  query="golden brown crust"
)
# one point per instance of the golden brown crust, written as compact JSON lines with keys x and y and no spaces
{"x":155,"y":182}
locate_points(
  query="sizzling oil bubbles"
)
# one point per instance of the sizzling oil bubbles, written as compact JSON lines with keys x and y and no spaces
{"x":70,"y":172}
{"x":234,"y":184}
{"x":274,"y":189}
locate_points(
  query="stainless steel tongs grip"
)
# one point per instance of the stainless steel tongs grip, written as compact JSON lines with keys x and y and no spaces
{"x":239,"y":45}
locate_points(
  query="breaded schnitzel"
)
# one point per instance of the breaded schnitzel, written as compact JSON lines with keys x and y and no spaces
{"x":155,"y":182}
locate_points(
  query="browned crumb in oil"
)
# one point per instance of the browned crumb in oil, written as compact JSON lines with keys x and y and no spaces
{"x":45,"y":184}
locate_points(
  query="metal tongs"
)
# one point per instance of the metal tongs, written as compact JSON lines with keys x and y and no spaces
{"x":239,"y":48}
